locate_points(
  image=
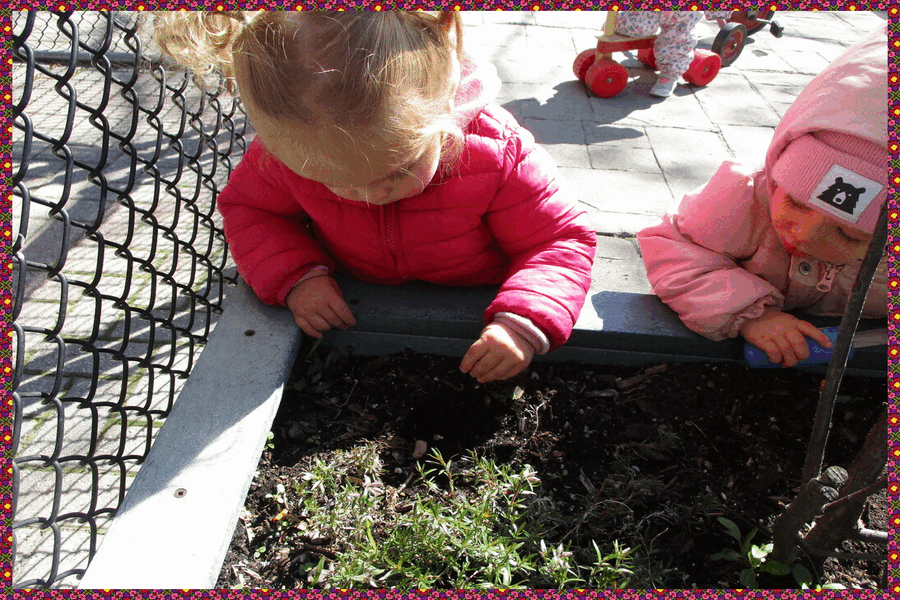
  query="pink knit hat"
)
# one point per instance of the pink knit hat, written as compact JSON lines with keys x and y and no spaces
{"x":837,"y":174}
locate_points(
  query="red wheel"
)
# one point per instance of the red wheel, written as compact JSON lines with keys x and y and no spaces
{"x":704,"y":67}
{"x":606,"y":78}
{"x":646,"y":56}
{"x":729,"y":42}
{"x":582,"y":63}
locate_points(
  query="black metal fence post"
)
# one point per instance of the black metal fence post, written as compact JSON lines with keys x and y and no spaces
{"x":819,"y":489}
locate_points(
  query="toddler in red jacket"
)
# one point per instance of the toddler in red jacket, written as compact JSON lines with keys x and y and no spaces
{"x":380,"y":152}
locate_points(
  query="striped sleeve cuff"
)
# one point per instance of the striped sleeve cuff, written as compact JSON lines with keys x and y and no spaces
{"x":525,"y":328}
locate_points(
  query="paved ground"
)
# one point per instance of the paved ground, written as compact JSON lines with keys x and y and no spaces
{"x":628,"y":157}
{"x":625,"y":159}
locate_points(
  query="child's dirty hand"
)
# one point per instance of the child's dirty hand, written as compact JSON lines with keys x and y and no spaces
{"x":782,"y":336}
{"x":499,"y":353}
{"x":318,"y":306}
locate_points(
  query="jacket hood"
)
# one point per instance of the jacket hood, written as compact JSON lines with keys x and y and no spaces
{"x":848,"y":97}
{"x":478,"y":86}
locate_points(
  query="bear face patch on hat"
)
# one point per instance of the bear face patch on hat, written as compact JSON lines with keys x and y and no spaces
{"x":837,"y":174}
{"x":844,"y":194}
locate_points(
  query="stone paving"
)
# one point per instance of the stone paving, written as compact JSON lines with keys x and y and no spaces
{"x":625,"y":159}
{"x":628,"y":157}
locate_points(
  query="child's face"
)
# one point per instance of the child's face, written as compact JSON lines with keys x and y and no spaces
{"x":380,"y":184}
{"x":370,"y":177}
{"x":806,"y":232}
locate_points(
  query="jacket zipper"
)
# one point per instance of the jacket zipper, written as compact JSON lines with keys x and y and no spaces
{"x":828,"y":276}
{"x":389,"y":213}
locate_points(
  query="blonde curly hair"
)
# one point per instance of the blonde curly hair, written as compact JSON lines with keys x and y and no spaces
{"x":333,"y":75}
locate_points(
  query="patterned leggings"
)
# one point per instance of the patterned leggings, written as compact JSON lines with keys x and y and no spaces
{"x":674,"y":46}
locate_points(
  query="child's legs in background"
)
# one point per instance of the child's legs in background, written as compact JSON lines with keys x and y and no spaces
{"x":712,"y":15}
{"x":637,"y":23}
{"x":674,"y":46}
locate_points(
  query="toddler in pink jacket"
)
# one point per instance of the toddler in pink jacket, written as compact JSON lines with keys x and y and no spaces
{"x":380,"y":153}
{"x":752,"y":243}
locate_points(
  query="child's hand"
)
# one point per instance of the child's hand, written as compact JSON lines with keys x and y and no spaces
{"x":782,"y":336}
{"x":498,"y":354}
{"x":318,"y":306}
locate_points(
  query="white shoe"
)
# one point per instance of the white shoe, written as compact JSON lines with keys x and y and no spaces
{"x":664,"y":87}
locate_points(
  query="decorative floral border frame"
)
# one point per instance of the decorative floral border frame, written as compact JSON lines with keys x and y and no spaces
{"x":6,"y":337}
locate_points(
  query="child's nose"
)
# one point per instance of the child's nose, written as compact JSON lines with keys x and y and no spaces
{"x":379,"y":194}
{"x":364,"y":194}
{"x":807,"y":227}
{"x":355,"y":194}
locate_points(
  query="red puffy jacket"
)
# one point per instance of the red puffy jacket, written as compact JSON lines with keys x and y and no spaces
{"x":497,"y":219}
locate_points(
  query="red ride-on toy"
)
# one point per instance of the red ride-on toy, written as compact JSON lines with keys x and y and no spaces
{"x":734,"y":31}
{"x":606,"y":78}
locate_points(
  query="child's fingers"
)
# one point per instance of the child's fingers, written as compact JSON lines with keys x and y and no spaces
{"x":494,"y":373}
{"x":475,"y":352}
{"x":787,"y":351}
{"x":517,"y":368}
{"x":490,"y":359}
{"x":814,"y":333}
{"x":799,"y":345}
{"x":484,"y":366}
{"x":498,"y":373}
{"x":334,"y":319}
{"x":307,"y":328}
{"x":773,"y":352}
{"x":342,"y":311}
{"x":505,"y":370}
{"x":479,"y":360}
{"x":318,"y":322}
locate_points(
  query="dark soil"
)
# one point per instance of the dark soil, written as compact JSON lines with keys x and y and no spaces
{"x":698,"y":441}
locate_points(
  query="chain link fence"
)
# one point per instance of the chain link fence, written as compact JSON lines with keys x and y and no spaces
{"x":119,"y":268}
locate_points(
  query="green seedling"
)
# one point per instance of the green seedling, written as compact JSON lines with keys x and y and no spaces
{"x":753,"y":557}
{"x":470,"y":523}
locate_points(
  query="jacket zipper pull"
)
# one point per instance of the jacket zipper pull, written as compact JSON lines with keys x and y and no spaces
{"x":831,"y":271}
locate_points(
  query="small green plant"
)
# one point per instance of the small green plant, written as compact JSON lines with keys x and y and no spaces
{"x":754,"y":557}
{"x":470,"y":523}
{"x":278,"y":496}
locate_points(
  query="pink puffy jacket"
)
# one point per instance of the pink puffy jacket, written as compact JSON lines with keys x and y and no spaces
{"x":716,"y":260}
{"x":498,"y":219}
